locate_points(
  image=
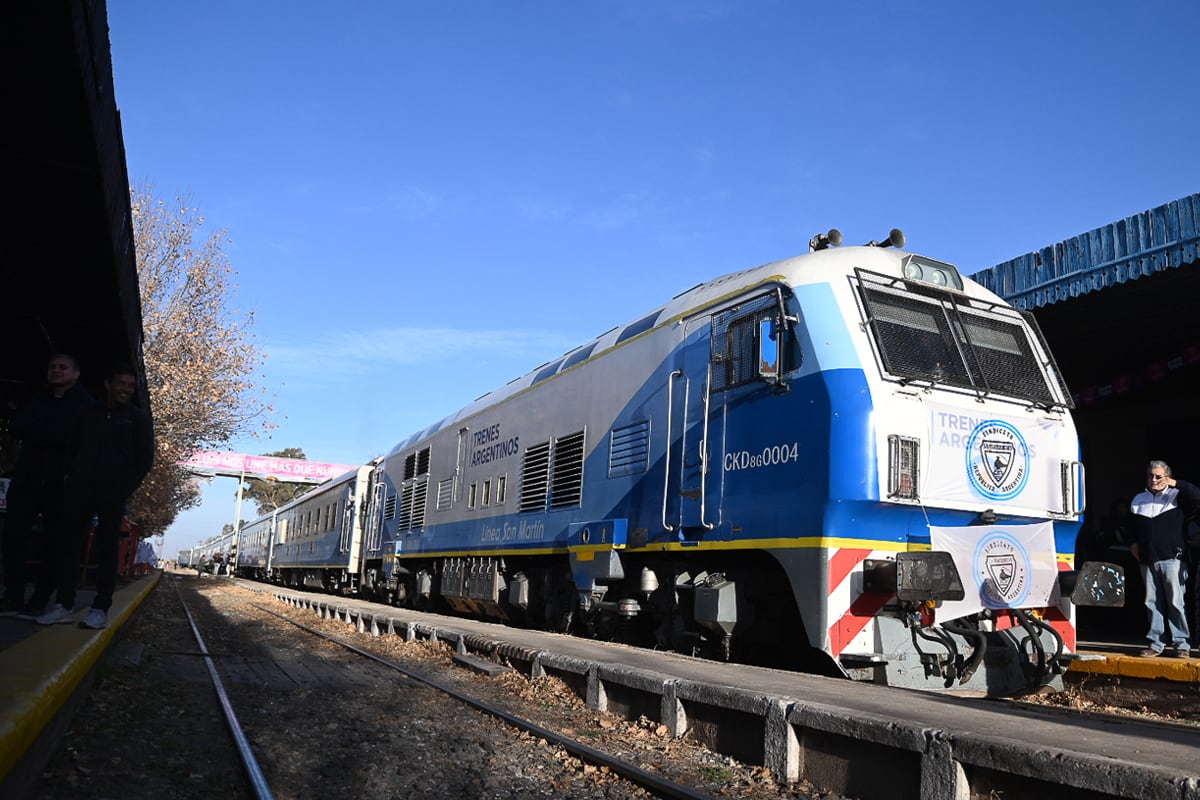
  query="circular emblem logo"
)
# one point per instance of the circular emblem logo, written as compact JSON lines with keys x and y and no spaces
{"x":997,"y":460}
{"x":1001,"y":569}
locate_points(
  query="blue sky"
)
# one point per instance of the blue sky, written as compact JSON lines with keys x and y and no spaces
{"x":427,"y":200}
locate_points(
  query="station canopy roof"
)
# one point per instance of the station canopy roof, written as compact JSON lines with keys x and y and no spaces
{"x":1119,"y":304}
{"x":69,"y":273}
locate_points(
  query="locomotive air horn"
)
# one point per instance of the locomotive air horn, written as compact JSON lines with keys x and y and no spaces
{"x":895,"y":239}
{"x":823,"y":240}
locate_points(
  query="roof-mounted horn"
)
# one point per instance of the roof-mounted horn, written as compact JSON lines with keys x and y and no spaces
{"x":823,"y":240}
{"x":895,"y":239}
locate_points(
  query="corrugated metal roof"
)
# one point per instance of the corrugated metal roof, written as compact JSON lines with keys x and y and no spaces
{"x":1162,"y":238}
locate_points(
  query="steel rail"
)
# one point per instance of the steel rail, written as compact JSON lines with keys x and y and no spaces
{"x":254,"y":773}
{"x":657,"y":784}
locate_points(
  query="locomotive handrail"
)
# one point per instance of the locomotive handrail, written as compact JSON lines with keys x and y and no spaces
{"x":667,"y":458}
{"x":1079,"y":486}
{"x":708,"y":526}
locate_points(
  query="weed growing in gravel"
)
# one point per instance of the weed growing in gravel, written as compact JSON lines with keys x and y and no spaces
{"x":717,"y":773}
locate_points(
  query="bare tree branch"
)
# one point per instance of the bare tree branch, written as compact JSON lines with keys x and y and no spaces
{"x":201,"y":358}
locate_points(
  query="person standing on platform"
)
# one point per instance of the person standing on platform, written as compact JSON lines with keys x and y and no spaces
{"x":1159,"y":523}
{"x":145,"y":559}
{"x":42,"y":427}
{"x":111,"y":452}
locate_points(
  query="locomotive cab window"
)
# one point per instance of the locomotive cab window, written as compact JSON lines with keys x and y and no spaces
{"x":750,"y":342}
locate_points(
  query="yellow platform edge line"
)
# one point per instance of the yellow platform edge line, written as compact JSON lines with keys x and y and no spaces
{"x":1185,"y":670}
{"x":40,"y":678}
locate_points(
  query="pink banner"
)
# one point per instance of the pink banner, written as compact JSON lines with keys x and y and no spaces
{"x":285,"y":469}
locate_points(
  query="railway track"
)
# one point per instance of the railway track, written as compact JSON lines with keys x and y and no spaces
{"x":250,"y":766}
{"x":652,"y":784}
{"x":311,"y":716}
{"x":656,"y":785}
{"x":312,"y":707}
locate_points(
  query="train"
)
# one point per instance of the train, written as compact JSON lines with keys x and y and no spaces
{"x":856,"y":462}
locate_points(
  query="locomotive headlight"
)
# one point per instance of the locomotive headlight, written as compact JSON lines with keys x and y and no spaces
{"x":927,"y":270}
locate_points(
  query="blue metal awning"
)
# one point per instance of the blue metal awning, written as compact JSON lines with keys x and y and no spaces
{"x":1166,"y":237}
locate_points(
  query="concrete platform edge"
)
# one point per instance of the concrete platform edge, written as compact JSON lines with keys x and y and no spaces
{"x":1183,"y":670}
{"x":46,"y":669}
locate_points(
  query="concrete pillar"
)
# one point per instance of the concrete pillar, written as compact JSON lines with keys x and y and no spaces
{"x":671,"y":710}
{"x":942,"y":777}
{"x":597,"y":695}
{"x":781,"y":745}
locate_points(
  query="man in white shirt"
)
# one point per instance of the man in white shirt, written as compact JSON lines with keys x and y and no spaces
{"x":1160,"y":545}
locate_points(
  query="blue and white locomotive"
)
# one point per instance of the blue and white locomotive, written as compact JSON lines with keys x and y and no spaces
{"x":855,"y":462}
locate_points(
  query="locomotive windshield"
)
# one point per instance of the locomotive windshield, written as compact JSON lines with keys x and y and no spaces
{"x":946,"y":338}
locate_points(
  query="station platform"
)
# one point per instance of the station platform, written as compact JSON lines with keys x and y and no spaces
{"x":1122,"y":660}
{"x":45,"y":671}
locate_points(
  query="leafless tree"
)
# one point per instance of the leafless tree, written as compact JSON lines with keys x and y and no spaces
{"x":202,"y":362}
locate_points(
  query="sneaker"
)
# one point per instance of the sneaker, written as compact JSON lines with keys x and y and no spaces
{"x":56,"y":614}
{"x":1150,"y":652}
{"x":1181,"y":652}
{"x":96,"y":619}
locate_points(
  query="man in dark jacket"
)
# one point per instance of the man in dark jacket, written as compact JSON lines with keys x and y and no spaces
{"x":42,"y":427}
{"x":110,"y":454}
{"x":1159,"y":524}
